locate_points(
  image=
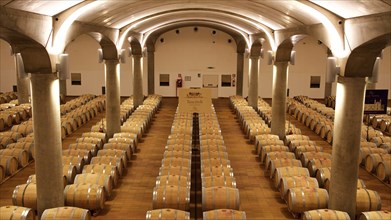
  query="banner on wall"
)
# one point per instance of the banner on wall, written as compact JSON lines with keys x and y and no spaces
{"x":195,"y":100}
{"x":376,"y":101}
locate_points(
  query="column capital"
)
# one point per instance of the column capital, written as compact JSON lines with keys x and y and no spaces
{"x":344,"y":79}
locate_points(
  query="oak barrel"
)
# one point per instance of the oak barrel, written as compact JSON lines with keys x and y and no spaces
{"x":76,"y":161}
{"x":375,"y":215}
{"x":10,"y":164}
{"x":174,"y":170}
{"x":101,"y":179}
{"x":288,"y":171}
{"x":220,"y":197}
{"x":103,"y":169}
{"x":171,"y":196}
{"x":329,"y":214}
{"x":21,"y":155}
{"x":172,"y":214}
{"x":383,"y":170}
{"x":109,"y":160}
{"x":175,"y":180}
{"x":224,"y":214}
{"x":66,"y":213}
{"x":25,"y":195}
{"x":212,"y":181}
{"x":85,"y":195}
{"x":367,"y":200}
{"x":287,"y":183}
{"x":16,"y":212}
{"x":303,"y":199}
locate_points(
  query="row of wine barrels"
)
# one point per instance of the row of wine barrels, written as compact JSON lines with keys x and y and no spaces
{"x":8,"y":97}
{"x":32,"y":179}
{"x":383,"y":171}
{"x":373,"y":160}
{"x":10,"y":165}
{"x":25,"y":145}
{"x":21,"y":155}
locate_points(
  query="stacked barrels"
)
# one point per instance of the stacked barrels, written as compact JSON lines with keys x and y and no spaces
{"x":301,"y":172}
{"x":13,"y":114}
{"x":377,"y":158}
{"x":8,"y":97}
{"x":92,"y":167}
{"x":220,"y":197}
{"x":172,"y":191}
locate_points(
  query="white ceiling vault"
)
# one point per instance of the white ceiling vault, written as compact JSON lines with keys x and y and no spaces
{"x":245,"y":17}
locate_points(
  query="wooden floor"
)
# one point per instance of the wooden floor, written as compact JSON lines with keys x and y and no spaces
{"x":133,"y":197}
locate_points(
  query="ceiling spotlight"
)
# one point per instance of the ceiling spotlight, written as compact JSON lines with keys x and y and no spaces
{"x":195,"y":29}
{"x":229,"y":41}
{"x":177,"y":31}
{"x":213,"y":32}
{"x":161,"y":40}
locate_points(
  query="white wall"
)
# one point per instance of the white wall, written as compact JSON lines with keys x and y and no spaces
{"x":7,"y":68}
{"x":189,"y":53}
{"x":83,"y":58}
{"x":172,"y":57}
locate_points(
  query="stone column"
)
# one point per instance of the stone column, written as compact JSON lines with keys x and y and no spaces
{"x":22,"y":81}
{"x":280,"y":73}
{"x":63,"y":91}
{"x":138,"y":96}
{"x":113,"y":119}
{"x":328,"y":89}
{"x":239,"y":73}
{"x":253,"y":82}
{"x":47,"y":141}
{"x":151,"y":71}
{"x":346,"y":144}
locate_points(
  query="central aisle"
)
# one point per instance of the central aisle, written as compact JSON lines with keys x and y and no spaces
{"x":257,"y":196}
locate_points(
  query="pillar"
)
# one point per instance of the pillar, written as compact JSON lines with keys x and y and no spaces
{"x":63,"y":91}
{"x":239,"y":73}
{"x":280,"y":73}
{"x":346,"y":144}
{"x":138,"y":96}
{"x":113,"y":118}
{"x":22,"y":80}
{"x":253,"y":82}
{"x":47,"y":141}
{"x":151,"y":72}
{"x":328,"y":89}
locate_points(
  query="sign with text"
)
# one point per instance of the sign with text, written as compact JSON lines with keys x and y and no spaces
{"x":195,"y":100}
{"x":376,"y":101}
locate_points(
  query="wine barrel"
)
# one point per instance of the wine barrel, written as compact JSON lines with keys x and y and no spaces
{"x":289,"y":138}
{"x":175,"y":180}
{"x":127,"y":135}
{"x":213,"y":147}
{"x":307,"y":148}
{"x":114,"y":153}
{"x":287,"y":183}
{"x":375,"y":215}
{"x":380,"y":140}
{"x":179,"y":141}
{"x":4,"y":141}
{"x":11,"y":134}
{"x":288,"y":171}
{"x":224,"y":214}
{"x":216,"y":171}
{"x":212,"y":181}
{"x":276,"y":155}
{"x":70,"y":172}
{"x":360,"y":184}
{"x":22,"y":129}
{"x":205,"y":163}
{"x":295,"y":143}
{"x":367,"y":200}
{"x":176,"y":161}
{"x":307,"y":156}
{"x":85,"y":154}
{"x":64,"y":213}
{"x":101,"y":179}
{"x":220,"y":197}
{"x":25,"y":195}
{"x":383,"y":171}
{"x":328,"y":214}
{"x":214,"y":154}
{"x":174,"y":170}
{"x":85,"y":195}
{"x":366,"y":144}
{"x":373,"y":160}
{"x":99,"y":135}
{"x":103,"y":169}
{"x":303,"y":199}
{"x":266,"y":142}
{"x":364,"y":152}
{"x":322,"y":174}
{"x":93,"y":148}
{"x":283,"y":162}
{"x":130,"y":142}
{"x":177,"y":153}
{"x":178,"y":147}
{"x":10,"y":164}
{"x":173,"y":214}
{"x":16,"y":212}
{"x":93,"y":140}
{"x":109,"y":160}
{"x":315,"y":164}
{"x":386,"y":146}
{"x":271,"y":148}
{"x":28,"y":146}
{"x":33,"y":179}
{"x":76,"y":161}
{"x":21,"y":155}
{"x":209,"y":141}
{"x":120,"y":146}
{"x":171,"y":196}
